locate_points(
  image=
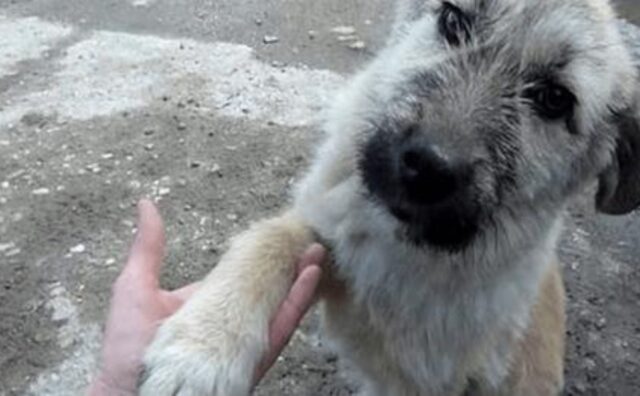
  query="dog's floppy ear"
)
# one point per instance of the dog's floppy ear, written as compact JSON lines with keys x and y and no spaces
{"x":619,"y":190}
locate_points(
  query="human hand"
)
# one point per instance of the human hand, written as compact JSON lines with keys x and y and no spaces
{"x":139,"y":306}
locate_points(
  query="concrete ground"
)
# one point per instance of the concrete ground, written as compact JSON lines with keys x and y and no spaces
{"x":106,"y":101}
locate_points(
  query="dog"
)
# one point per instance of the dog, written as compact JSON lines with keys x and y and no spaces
{"x":441,"y":190}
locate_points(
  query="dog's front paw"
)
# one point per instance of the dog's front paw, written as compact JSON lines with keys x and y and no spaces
{"x":185,"y":360}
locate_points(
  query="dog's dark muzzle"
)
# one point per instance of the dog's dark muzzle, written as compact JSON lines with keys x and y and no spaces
{"x":431,"y":192}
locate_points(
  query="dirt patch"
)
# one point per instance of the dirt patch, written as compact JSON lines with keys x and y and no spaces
{"x":68,"y":203}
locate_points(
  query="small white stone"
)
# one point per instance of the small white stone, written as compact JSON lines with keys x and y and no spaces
{"x":41,"y":191}
{"x":6,"y":246}
{"x":16,"y":174}
{"x":343,"y":39}
{"x":232,"y":216}
{"x":142,"y":3}
{"x":93,"y":166}
{"x":344,"y":30}
{"x":270,"y":39}
{"x":107,"y":156}
{"x":78,"y":249}
{"x":56,"y":289}
{"x":358,"y":45}
{"x":13,"y":252}
{"x":5,"y":184}
{"x":110,"y":261}
{"x":164,"y":191}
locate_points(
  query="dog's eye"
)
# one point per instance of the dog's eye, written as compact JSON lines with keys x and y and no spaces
{"x":454,"y":24}
{"x":552,"y":101}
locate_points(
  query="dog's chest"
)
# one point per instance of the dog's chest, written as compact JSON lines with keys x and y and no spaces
{"x":425,"y":319}
{"x":414,"y":321}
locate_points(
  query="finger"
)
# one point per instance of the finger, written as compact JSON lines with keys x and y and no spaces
{"x":294,"y":307}
{"x":300,"y":297}
{"x":147,"y":251}
{"x":185,"y":293}
{"x":314,"y":255}
{"x":290,"y":314}
{"x":174,"y":300}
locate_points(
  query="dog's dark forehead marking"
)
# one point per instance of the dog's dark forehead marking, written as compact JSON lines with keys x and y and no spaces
{"x":519,"y":23}
{"x":533,"y":41}
{"x":524,"y":43}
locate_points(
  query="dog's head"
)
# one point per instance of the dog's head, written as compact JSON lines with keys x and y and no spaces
{"x":485,"y":108}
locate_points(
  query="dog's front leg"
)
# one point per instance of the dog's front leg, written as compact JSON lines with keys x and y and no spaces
{"x":214,"y":343}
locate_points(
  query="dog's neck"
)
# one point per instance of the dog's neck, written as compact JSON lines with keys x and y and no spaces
{"x":367,"y":243}
{"x":520,"y":246}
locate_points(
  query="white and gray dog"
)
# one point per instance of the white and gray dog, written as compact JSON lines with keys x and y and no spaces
{"x":440,"y":190}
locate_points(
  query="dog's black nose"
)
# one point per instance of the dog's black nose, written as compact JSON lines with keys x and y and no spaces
{"x":427,"y":176}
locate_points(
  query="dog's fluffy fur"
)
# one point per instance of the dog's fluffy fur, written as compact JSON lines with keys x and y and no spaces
{"x":412,"y":312}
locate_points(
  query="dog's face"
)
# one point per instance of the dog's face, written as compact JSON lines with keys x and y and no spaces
{"x":484,"y":108}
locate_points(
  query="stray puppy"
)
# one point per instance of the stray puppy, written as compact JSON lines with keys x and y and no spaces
{"x":441,"y":191}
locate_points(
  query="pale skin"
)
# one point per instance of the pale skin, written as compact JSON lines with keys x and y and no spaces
{"x":139,"y":306}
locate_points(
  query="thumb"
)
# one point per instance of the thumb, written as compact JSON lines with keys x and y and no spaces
{"x":147,"y":251}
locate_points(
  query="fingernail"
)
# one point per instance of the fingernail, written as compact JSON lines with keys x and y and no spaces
{"x":316,"y":253}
